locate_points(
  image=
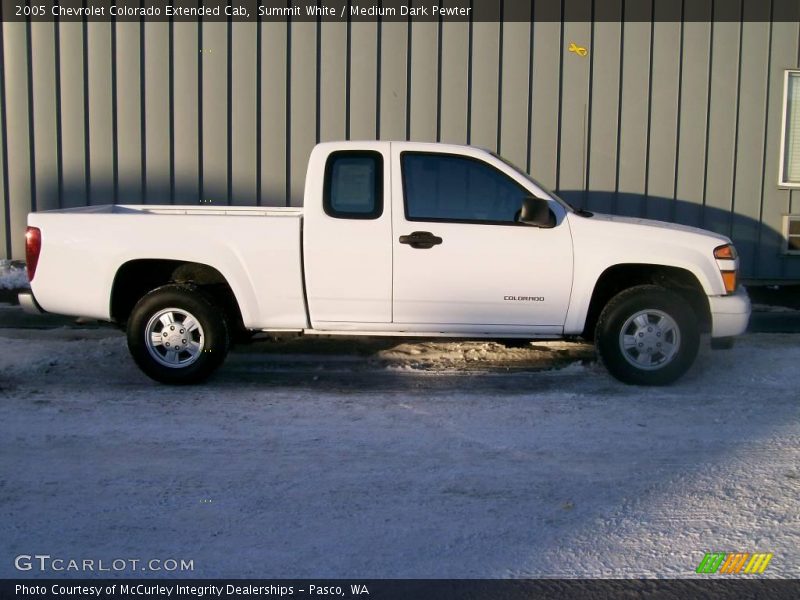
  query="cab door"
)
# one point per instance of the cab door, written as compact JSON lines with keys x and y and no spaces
{"x":460,"y":260}
{"x":347,"y":236}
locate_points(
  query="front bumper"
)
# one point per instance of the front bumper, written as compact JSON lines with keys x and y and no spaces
{"x":29,"y":304}
{"x":729,"y":314}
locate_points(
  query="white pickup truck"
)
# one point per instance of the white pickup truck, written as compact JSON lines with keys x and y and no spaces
{"x":395,"y":239}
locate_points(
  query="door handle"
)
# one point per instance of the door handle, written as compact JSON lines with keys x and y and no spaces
{"x":421,"y":240}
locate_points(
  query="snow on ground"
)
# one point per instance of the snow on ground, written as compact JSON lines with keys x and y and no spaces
{"x":413,"y":460}
{"x":12,"y":277}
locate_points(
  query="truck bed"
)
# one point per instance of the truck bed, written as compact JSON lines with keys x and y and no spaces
{"x":257,"y":248}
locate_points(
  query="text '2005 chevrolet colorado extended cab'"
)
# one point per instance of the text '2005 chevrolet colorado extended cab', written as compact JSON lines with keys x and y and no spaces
{"x":395,"y":238}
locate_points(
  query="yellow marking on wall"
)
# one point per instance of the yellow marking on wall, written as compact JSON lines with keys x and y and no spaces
{"x":579,"y":50}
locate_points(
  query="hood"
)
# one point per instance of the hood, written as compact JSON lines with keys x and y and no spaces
{"x":660,"y":225}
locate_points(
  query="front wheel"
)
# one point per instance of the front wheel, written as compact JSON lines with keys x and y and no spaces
{"x":176,"y":335}
{"x":647,"y":335}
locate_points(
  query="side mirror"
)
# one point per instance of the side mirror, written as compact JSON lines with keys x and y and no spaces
{"x":536,"y":211}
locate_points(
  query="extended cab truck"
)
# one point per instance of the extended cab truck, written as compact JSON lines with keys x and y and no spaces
{"x":395,"y":238}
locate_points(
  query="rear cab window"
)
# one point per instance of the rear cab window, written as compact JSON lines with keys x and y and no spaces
{"x":354,"y":185}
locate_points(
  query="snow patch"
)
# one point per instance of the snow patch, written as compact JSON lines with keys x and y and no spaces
{"x":409,"y":473}
{"x":481,"y":356}
{"x":12,"y":277}
{"x":769,"y":308}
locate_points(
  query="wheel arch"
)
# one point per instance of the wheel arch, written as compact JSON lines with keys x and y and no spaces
{"x":135,"y":278}
{"x":620,"y":277}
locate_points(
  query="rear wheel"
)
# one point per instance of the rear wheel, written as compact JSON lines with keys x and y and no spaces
{"x":177,"y":335}
{"x":647,"y":335}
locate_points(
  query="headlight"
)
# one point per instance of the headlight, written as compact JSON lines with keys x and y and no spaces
{"x":728,"y":263}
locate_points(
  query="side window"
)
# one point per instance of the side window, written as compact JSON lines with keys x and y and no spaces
{"x":454,"y":188}
{"x":354,"y":185}
{"x":790,"y":152}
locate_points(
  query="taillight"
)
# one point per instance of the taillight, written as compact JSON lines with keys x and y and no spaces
{"x":33,"y":246}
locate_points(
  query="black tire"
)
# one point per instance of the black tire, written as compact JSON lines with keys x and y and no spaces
{"x":620,"y":350}
{"x":207,"y":346}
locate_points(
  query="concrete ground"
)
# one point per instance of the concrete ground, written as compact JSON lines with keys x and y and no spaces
{"x":379,"y":459}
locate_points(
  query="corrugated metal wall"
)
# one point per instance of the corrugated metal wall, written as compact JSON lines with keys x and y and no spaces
{"x":675,"y":119}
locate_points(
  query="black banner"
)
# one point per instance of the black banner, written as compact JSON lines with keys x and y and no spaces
{"x":404,"y":589}
{"x":261,"y":11}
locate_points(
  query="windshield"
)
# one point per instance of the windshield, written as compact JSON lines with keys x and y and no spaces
{"x":534,"y":182}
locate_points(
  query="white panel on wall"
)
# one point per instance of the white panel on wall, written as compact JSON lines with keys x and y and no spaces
{"x":185,"y":58}
{"x":303,"y":107}
{"x":513,"y":114}
{"x":545,"y":100}
{"x":363,"y":80}
{"x":45,"y":109}
{"x":574,"y":136}
{"x":129,"y":112}
{"x":454,"y":83}
{"x":664,"y":112}
{"x":274,"y":65}
{"x":101,"y":129}
{"x":156,"y":112}
{"x":485,"y":79}
{"x":243,"y":114}
{"x":394,"y":49}
{"x":15,"y":51}
{"x":602,"y":159}
{"x":634,"y":118}
{"x":73,"y":141}
{"x":333,"y":81}
{"x":424,"y":81}
{"x":214,"y":64}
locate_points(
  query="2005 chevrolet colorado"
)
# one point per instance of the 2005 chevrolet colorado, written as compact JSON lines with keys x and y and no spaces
{"x":395,"y":238}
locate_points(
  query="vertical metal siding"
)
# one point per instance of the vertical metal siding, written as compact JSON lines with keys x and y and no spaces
{"x":243,"y":171}
{"x":573,"y":110}
{"x":693,"y":104}
{"x":18,"y":151}
{"x":274,"y":119}
{"x":45,"y":110}
{"x":602,"y":141}
{"x":302,"y":106}
{"x":771,"y":264}
{"x":484,"y":93}
{"x":547,"y":50}
{"x":723,"y":106}
{"x":394,"y":81}
{"x":363,"y":80}
{"x":453,"y":82}
{"x":513,"y":109}
{"x":128,"y":144}
{"x":333,"y":79}
{"x":99,"y":114}
{"x":676,"y":119}
{"x":663,"y":111}
{"x":751,"y":132}
{"x":424,"y":81}
{"x":633,"y":119}
{"x":185,"y":136}
{"x":213,"y":117}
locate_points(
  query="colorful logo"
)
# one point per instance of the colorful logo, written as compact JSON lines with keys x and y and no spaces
{"x":728,"y":563}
